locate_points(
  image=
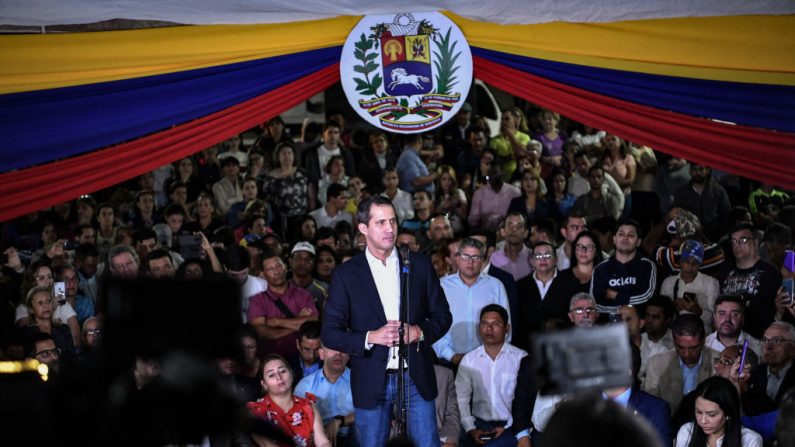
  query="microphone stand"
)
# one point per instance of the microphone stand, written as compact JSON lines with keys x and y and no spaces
{"x":401,"y":412}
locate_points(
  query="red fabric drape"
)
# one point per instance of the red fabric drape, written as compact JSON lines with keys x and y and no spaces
{"x":32,"y":189}
{"x":755,"y":153}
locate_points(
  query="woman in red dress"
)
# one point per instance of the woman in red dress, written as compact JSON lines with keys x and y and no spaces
{"x":297,"y":417}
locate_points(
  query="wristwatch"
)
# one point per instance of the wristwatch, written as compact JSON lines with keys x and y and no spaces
{"x":340,"y":418}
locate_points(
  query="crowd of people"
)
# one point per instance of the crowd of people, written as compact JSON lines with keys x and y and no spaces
{"x":544,"y":226}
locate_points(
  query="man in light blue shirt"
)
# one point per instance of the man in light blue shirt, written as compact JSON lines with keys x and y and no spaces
{"x":412,"y":171}
{"x":332,"y":387}
{"x":467,"y":292}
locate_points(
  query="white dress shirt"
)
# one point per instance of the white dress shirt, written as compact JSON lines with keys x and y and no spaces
{"x":485,"y":387}
{"x":387,"y":281}
{"x":755,"y":345}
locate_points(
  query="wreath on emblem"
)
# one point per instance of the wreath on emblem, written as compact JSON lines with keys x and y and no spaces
{"x":406,"y":43}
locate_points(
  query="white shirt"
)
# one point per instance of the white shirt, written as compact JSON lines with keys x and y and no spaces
{"x":750,"y":438}
{"x":251,"y":287}
{"x":404,"y":205}
{"x":61,"y":313}
{"x":544,"y":408}
{"x":650,"y":348}
{"x":706,"y":289}
{"x":387,"y":282}
{"x":563,"y":259}
{"x":324,"y":155}
{"x":544,"y":288}
{"x":755,"y":345}
{"x":487,"y":385}
{"x":323,"y":219}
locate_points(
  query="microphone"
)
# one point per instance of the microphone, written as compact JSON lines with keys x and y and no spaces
{"x":403,"y":249}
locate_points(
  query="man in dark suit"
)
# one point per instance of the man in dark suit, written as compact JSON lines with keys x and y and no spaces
{"x":655,"y":410}
{"x":775,"y":375}
{"x":545,"y":293}
{"x":361,"y":318}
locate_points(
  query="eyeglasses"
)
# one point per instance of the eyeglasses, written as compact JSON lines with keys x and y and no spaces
{"x":584,"y":310}
{"x":47,"y":353}
{"x":723,"y":361}
{"x":741,"y":241}
{"x":584,"y":247}
{"x":543,"y":255}
{"x":775,"y":340}
{"x":94,"y":332}
{"x":470,"y":258}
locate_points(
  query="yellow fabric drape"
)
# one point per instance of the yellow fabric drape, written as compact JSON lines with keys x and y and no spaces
{"x":754,"y":49}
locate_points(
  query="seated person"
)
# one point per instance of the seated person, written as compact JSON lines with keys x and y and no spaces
{"x":331,"y":385}
{"x":484,"y":401}
{"x":307,"y":360}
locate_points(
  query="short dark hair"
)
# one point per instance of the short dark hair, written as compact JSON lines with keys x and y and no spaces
{"x":174,"y":209}
{"x":309,"y":330}
{"x":663,"y":302}
{"x":335,"y":189}
{"x":412,"y":138}
{"x":363,"y":212}
{"x":593,"y":168}
{"x":548,"y":244}
{"x":267,"y":254}
{"x":588,"y":419}
{"x":36,"y":338}
{"x":495,"y":308}
{"x":688,"y":325}
{"x":730,"y":299}
{"x":156,"y":254}
{"x":236,"y":258}
{"x":745,"y":226}
{"x":546,"y":225}
{"x":143,"y":234}
{"x":86,"y":251}
{"x":229,"y":160}
{"x":329,"y":124}
{"x":631,"y":222}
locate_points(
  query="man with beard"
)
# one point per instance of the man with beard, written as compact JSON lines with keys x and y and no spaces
{"x":572,"y":226}
{"x":707,"y":199}
{"x":468,"y":160}
{"x":332,"y":387}
{"x":582,"y":310}
{"x":43,"y":349}
{"x":627,"y":277}
{"x":729,"y":317}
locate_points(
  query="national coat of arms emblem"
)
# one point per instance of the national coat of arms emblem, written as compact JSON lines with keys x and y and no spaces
{"x":408,"y":72}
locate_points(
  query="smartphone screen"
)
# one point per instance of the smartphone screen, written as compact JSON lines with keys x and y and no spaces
{"x":689,"y":296}
{"x":788,"y":284}
{"x":59,"y":292}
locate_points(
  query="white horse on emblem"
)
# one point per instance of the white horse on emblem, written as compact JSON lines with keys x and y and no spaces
{"x":399,"y":77}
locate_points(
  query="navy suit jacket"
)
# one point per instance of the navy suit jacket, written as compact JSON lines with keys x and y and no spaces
{"x":354,"y":307}
{"x":655,"y":410}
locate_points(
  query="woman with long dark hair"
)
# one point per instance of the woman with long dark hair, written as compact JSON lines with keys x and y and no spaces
{"x":717,"y":418}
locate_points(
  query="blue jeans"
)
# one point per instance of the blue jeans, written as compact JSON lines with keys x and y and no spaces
{"x":373,"y":425}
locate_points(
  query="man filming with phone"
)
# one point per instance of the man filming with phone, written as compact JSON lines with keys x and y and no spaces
{"x":693,"y":292}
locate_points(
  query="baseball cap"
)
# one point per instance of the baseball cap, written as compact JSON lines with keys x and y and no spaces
{"x":691,"y":249}
{"x":303,"y":246}
{"x":684,"y":225}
